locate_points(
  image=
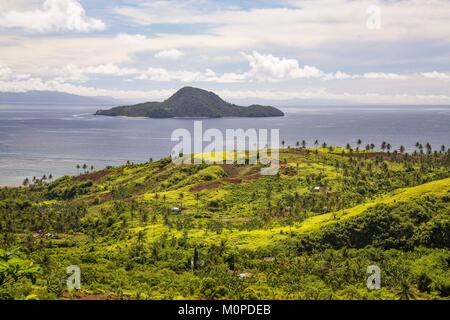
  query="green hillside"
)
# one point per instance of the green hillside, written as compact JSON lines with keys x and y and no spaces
{"x":309,"y":232}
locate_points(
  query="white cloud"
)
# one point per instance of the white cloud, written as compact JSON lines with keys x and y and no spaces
{"x":268,"y":67}
{"x":383,"y":75}
{"x":321,"y":93}
{"x":307,"y":23}
{"x":74,"y":72}
{"x":436,"y":75}
{"x":5,"y":72}
{"x":55,"y":15}
{"x":171,"y":54}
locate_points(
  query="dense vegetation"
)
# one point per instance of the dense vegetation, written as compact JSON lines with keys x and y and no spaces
{"x":309,"y":232}
{"x":192,"y":102}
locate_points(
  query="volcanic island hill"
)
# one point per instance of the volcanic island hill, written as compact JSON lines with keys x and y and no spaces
{"x":191,"y":102}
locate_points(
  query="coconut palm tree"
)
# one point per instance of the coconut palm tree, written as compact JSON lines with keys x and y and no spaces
{"x":197,"y":199}
{"x":402,"y":149}
{"x":303,"y":143}
{"x":359,"y":142}
{"x":316,"y":143}
{"x":78,"y":168}
{"x":181,"y":196}
{"x":405,"y":291}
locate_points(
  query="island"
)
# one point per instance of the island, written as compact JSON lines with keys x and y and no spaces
{"x":189,"y":102}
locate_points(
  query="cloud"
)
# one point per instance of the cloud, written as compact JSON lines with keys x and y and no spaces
{"x":171,"y":54}
{"x":266,"y":67}
{"x":436,"y":75}
{"x":5,"y":72}
{"x":55,"y":15}
{"x":306,"y":24}
{"x":73,"y":72}
{"x":321,"y":93}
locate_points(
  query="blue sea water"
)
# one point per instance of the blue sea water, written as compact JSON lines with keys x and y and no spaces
{"x":38,"y":140}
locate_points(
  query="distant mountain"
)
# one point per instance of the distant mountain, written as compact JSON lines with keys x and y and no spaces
{"x":51,"y":97}
{"x":192,"y":102}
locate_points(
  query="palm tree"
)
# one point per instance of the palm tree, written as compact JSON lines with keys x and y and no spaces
{"x":181,"y":196}
{"x":383,"y":146}
{"x":443,"y":148}
{"x":282,"y":143}
{"x":429,"y":148}
{"x":26,"y":182}
{"x":197,"y":199}
{"x":297,"y":144}
{"x":50,"y":177}
{"x":92,"y":168}
{"x":316,"y":143}
{"x":78,"y":168}
{"x":303,"y":143}
{"x":402,"y":149}
{"x":324,"y":145}
{"x":405,"y":290}
{"x":359,"y":142}
{"x":348,"y":146}
{"x":388,"y":147}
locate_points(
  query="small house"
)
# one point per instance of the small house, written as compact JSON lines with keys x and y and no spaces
{"x":175,"y":209}
{"x":245,"y":275}
{"x":316,"y":189}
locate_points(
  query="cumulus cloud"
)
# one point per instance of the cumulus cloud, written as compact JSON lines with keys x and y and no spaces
{"x":55,"y":15}
{"x":269,"y":67}
{"x":171,"y":54}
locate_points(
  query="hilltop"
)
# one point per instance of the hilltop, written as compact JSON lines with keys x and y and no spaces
{"x":308,"y":232}
{"x":192,"y":102}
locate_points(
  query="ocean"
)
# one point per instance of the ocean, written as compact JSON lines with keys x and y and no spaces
{"x":37,"y":140}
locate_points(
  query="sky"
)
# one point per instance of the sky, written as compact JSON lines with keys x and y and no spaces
{"x":343,"y":51}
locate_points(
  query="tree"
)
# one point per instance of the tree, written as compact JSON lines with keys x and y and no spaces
{"x":26,"y":182}
{"x":303,"y":143}
{"x":78,"y":168}
{"x":405,"y":291}
{"x":402,"y":149}
{"x":197,"y":198}
{"x":181,"y":196}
